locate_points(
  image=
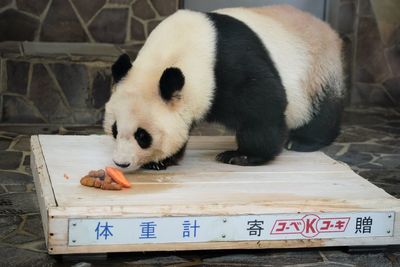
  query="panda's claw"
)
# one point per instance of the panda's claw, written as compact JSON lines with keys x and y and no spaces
{"x":158,"y":166}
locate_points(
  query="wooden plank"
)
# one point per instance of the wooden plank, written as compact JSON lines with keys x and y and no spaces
{"x":42,"y":182}
{"x":200,"y":180}
{"x":200,"y":186}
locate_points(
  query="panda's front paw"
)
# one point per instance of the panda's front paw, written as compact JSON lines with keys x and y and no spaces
{"x":237,"y":158}
{"x":158,"y":166}
{"x":232,"y":157}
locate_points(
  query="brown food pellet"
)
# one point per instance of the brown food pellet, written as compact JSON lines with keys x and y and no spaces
{"x":93,"y":179}
{"x":112,"y":186}
{"x":97,"y":174}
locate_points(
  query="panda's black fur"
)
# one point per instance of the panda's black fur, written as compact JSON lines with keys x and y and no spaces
{"x":249,"y":98}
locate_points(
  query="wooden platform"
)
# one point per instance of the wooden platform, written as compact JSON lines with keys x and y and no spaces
{"x":298,"y":200}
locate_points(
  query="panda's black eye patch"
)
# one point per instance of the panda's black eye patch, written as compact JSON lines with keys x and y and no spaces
{"x":143,"y":138}
{"x":114,"y":130}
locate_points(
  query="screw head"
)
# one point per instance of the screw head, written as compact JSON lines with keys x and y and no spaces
{"x":390,"y":216}
{"x":73,"y":241}
{"x":223,"y":235}
{"x":74,"y":224}
{"x":224,"y":220}
{"x":388,"y":231}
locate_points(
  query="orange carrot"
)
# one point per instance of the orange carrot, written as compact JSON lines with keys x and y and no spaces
{"x":118,"y":176}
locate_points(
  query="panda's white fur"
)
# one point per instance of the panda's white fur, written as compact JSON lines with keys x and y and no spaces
{"x":305,"y":51}
{"x":136,"y":102}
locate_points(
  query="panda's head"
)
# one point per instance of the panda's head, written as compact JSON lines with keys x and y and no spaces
{"x":145,"y":114}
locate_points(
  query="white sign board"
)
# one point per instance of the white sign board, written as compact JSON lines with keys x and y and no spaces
{"x":110,"y":231}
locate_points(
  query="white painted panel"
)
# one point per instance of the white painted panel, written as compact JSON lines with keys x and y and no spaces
{"x":298,"y":226}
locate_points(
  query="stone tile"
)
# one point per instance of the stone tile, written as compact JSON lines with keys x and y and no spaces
{"x":151,"y":25}
{"x":4,"y":143}
{"x":35,"y":7}
{"x":20,"y":238}
{"x":4,"y":3}
{"x":137,"y":30}
{"x":346,"y":18}
{"x":268,"y":259}
{"x":9,"y":48}
{"x":372,"y":148}
{"x":392,"y":87}
{"x":365,"y":8}
{"x":165,"y":7}
{"x":16,"y":188}
{"x":361,"y":118}
{"x":15,"y":178}
{"x":387,"y":129}
{"x":47,"y":98}
{"x":87,"y":50}
{"x":109,"y":26}
{"x":23,"y":143}
{"x":159,"y":261}
{"x":141,"y":9}
{"x":11,"y":256}
{"x":62,"y":16}
{"x":74,"y":81}
{"x":8,"y":224}
{"x":391,"y":177}
{"x":18,"y":203}
{"x":354,"y":158}
{"x":10,"y":160}
{"x":369,"y":53}
{"x":33,"y":225}
{"x":27,"y":160}
{"x":101,"y":86}
{"x":120,"y":2}
{"x":389,"y":161}
{"x":131,"y":50}
{"x":18,"y":109}
{"x":373,"y":94}
{"x":390,"y":142}
{"x":393,"y":56}
{"x":17,"y":26}
{"x":364,"y":259}
{"x":86,"y":116}
{"x":17,"y":76}
{"x":87,"y":8}
{"x":332,"y":150}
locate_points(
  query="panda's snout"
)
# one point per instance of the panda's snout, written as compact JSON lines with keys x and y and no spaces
{"x":122,"y":165}
{"x":122,"y":155}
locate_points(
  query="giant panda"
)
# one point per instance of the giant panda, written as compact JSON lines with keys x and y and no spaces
{"x":273,"y":75}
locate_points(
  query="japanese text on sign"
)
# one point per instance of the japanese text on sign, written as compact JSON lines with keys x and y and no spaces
{"x":229,"y":228}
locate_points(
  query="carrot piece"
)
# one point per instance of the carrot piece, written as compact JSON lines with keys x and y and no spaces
{"x":118,"y":176}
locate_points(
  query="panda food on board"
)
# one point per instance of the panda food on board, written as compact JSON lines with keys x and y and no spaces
{"x":273,"y":75}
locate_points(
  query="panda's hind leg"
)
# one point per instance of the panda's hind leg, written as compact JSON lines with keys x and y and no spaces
{"x":321,"y":131}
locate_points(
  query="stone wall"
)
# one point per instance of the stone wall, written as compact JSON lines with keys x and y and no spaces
{"x":377,"y":54}
{"x":55,"y":83}
{"x":102,"y":21}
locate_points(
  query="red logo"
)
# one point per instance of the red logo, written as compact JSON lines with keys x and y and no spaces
{"x":310,"y":225}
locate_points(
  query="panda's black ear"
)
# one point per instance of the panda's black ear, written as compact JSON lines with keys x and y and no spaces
{"x":121,"y":67}
{"x":171,"y":83}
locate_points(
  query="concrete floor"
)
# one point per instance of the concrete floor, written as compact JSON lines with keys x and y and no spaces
{"x":369,"y":143}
